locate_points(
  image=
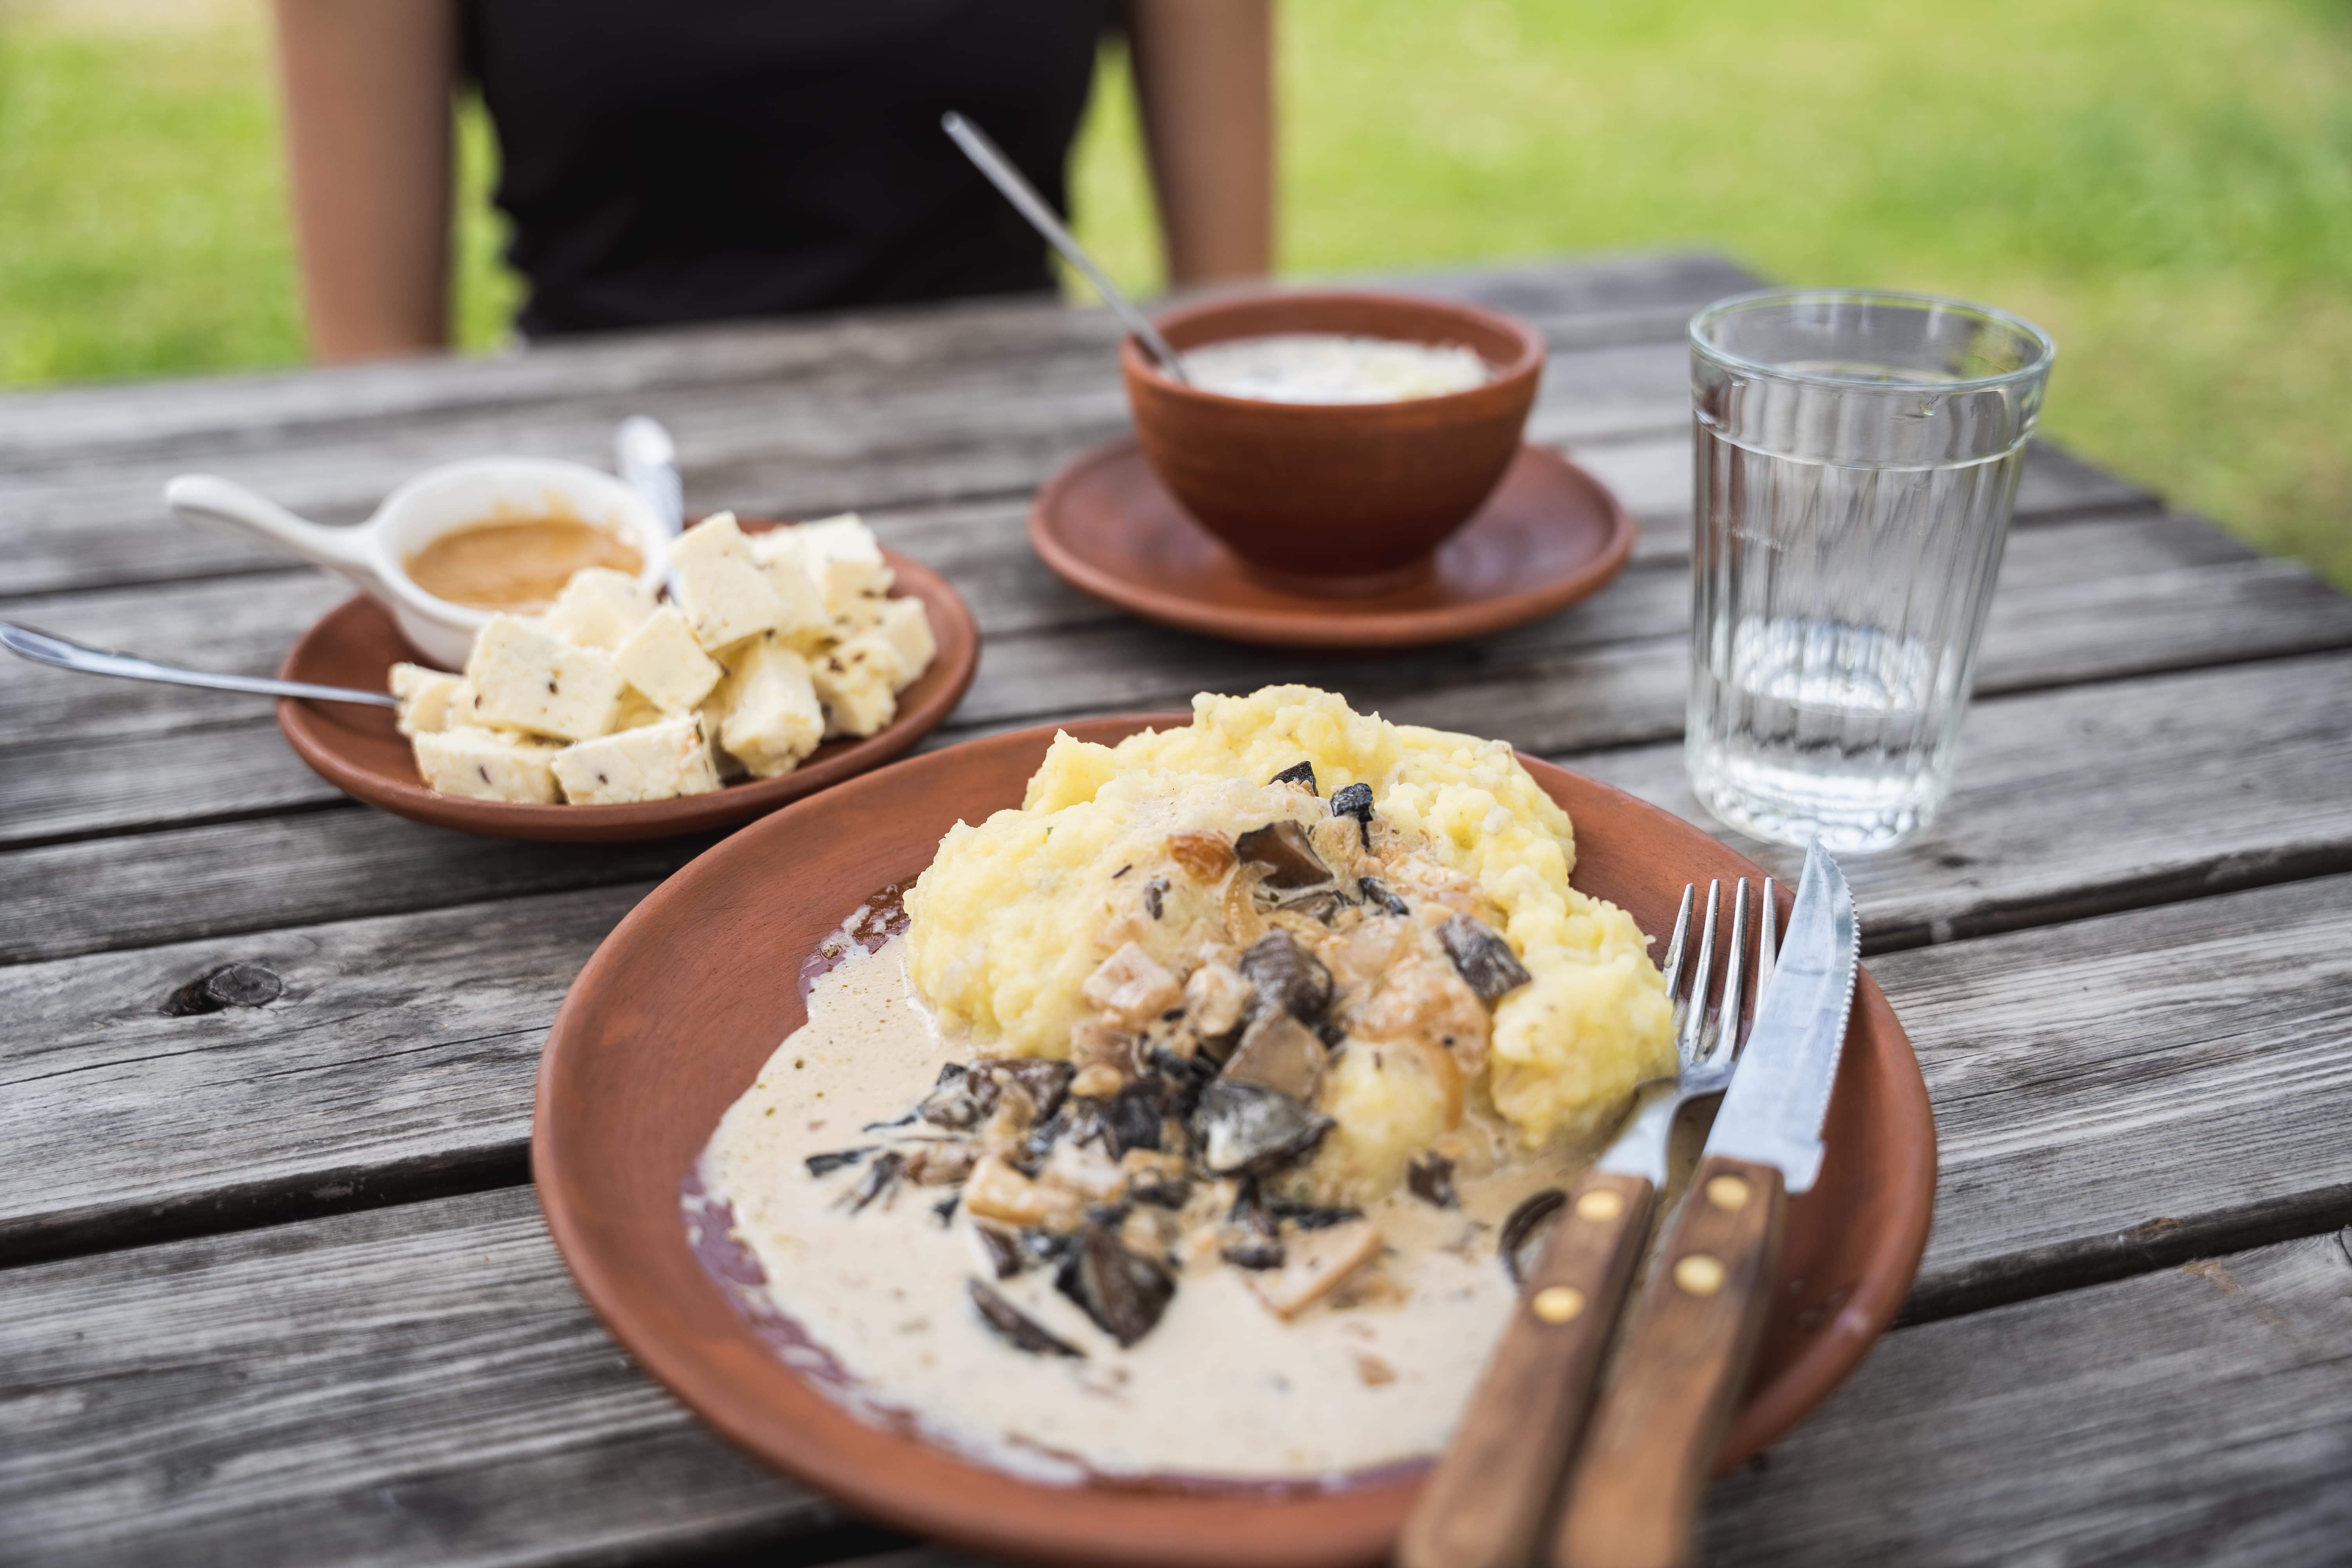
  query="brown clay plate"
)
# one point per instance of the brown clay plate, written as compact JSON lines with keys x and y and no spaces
{"x":1549,"y":535}
{"x":359,"y":752}
{"x":678,"y":1009}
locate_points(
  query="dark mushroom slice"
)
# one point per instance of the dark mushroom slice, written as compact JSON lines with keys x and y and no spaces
{"x":1312,"y":1217}
{"x":1430,"y":1178}
{"x":879,"y":1178}
{"x":951,"y":1103}
{"x":1527,"y":1230}
{"x":1485,"y":959}
{"x":946,"y":1207}
{"x":1186,"y":1076}
{"x":1377,"y":892}
{"x":1003,"y":1253}
{"x":1324,"y":904}
{"x":1288,"y":976}
{"x":1155,"y":896}
{"x":1247,"y":1128}
{"x":1131,"y":1120}
{"x":1279,"y":1052}
{"x":1287,"y":853}
{"x":1161,"y":1192}
{"x":1356,"y":801}
{"x":826,"y":1164}
{"x":1123,"y":1292}
{"x":1297,"y":773}
{"x":1017,"y":1327}
{"x":1249,"y":1238}
{"x":1043,"y":1079}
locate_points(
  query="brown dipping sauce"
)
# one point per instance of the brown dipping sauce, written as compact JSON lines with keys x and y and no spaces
{"x":521,"y":564}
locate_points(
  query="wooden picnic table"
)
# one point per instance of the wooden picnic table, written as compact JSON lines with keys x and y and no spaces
{"x":273,"y":1283}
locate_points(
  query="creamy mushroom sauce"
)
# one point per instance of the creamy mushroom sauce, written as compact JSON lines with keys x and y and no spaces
{"x":875,"y":1304}
{"x":1330,"y":367}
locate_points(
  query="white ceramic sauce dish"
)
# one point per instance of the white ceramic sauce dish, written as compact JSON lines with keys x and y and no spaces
{"x":374,"y":554}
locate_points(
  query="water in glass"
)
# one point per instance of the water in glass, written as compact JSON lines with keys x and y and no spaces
{"x":1853,"y":484}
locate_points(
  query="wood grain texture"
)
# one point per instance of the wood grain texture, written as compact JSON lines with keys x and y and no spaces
{"x":1632,"y":1495}
{"x":1485,"y":1503}
{"x":422,"y":1383}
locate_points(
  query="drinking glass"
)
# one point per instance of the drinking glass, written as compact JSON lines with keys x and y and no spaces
{"x":1857,"y":460}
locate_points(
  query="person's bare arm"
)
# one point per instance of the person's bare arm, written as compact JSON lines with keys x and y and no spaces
{"x":1204,"y":79}
{"x":367,"y":89}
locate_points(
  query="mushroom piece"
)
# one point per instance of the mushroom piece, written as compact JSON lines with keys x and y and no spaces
{"x":1216,"y":997}
{"x":1247,"y":1128}
{"x":1016,"y":1326}
{"x":1313,"y":1265}
{"x":1485,"y":959}
{"x":1289,"y":854}
{"x":1297,"y":773}
{"x":880,"y":1177}
{"x":1430,"y":1179}
{"x":826,"y":1164}
{"x":1281,"y":1053}
{"x":1356,"y":801}
{"x":1376,"y":892}
{"x":1288,"y":976}
{"x":1249,"y":1238}
{"x":1132,"y":1119}
{"x":1123,"y":1292}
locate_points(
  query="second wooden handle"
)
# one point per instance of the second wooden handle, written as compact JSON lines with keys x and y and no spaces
{"x":1484,"y":1504}
{"x":1634,"y":1492}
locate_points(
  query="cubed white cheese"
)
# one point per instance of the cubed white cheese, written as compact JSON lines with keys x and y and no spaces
{"x":725,"y":594}
{"x":713,"y":714}
{"x":907,"y":627}
{"x":842,"y":556}
{"x":637,"y":711}
{"x":525,"y":680}
{"x":597,"y":609}
{"x":483,"y":764}
{"x":662,"y":659}
{"x":853,"y":680}
{"x":423,"y":696}
{"x":774,"y":719}
{"x":777,"y":550}
{"x":656,"y":761}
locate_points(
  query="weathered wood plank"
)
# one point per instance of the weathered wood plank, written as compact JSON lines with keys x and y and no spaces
{"x":1574,"y":297}
{"x":2250,"y":791}
{"x":2263,"y":750}
{"x":423,"y":1381}
{"x":2086,"y":599}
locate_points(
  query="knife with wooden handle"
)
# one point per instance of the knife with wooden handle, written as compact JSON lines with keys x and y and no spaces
{"x":1634,"y":1492}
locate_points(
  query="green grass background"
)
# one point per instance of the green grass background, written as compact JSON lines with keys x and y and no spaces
{"x":2165,"y":185}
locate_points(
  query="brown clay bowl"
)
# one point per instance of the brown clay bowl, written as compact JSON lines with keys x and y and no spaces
{"x":1335,"y":497}
{"x":359,"y":752}
{"x":684,"y":1001}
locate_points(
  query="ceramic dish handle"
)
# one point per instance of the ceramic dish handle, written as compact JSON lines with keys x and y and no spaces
{"x":1485,"y":1503}
{"x":204,"y":497}
{"x":1635,"y":1490}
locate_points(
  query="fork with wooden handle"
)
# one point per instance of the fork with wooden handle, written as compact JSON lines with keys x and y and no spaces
{"x":1485,"y":1503}
{"x":1634,"y":1492}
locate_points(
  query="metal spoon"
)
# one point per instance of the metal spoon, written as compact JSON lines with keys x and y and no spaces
{"x":1024,"y":198}
{"x":43,"y":648}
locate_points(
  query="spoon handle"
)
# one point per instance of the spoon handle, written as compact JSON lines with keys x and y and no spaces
{"x":1022,"y":195}
{"x":41,"y":647}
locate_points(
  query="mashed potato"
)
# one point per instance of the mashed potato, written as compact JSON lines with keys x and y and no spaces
{"x":1014,"y":915}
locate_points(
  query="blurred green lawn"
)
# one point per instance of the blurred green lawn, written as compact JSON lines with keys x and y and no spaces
{"x":2165,"y":185}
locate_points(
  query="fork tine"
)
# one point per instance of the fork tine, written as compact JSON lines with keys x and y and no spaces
{"x":1672,"y":968}
{"x":1694,"y":1020}
{"x":1727,"y":1035}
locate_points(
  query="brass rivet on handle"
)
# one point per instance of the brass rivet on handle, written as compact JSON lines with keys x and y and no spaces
{"x":1700,"y":1274}
{"x":1556,"y":1303}
{"x":1727,"y":1193}
{"x":1600,"y":1204}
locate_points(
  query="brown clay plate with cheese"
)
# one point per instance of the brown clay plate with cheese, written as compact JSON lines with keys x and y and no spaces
{"x":360,"y":751}
{"x":683,"y":1005}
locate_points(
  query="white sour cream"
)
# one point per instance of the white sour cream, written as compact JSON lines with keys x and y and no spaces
{"x":1326,"y":367}
{"x":1221,"y":1389}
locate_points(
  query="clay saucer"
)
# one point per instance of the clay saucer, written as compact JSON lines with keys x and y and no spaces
{"x":358,"y":751}
{"x":680,"y":1008}
{"x":1549,"y":535}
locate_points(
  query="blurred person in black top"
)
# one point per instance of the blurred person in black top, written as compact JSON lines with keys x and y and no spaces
{"x":716,"y":159}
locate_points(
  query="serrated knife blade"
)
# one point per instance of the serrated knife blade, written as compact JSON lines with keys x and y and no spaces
{"x":1772,"y":1113}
